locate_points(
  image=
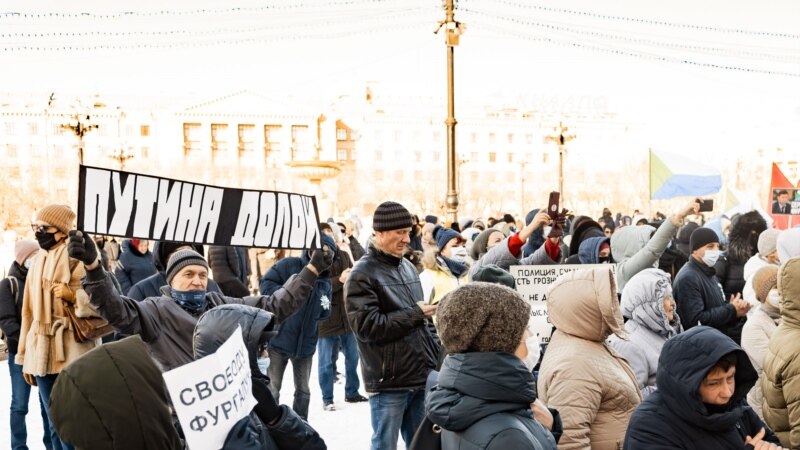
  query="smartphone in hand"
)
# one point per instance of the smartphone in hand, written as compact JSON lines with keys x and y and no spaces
{"x":706,"y":205}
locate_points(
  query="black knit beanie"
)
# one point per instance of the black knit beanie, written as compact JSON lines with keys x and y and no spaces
{"x":391,"y":216}
{"x":702,"y":236}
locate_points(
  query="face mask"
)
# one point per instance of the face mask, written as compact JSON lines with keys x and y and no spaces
{"x":533,"y":352}
{"x":458,"y":254}
{"x":46,"y":240}
{"x":28,"y":263}
{"x":546,"y":231}
{"x":774,"y":298}
{"x":604,"y":259}
{"x":710,"y":257}
{"x":263,"y":365}
{"x":191,"y":301}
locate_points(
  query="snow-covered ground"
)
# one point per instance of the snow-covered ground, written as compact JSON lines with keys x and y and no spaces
{"x":344,"y":429}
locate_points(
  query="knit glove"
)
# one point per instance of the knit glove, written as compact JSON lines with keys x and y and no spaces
{"x":559,"y":219}
{"x":322,"y":259}
{"x":81,"y":247}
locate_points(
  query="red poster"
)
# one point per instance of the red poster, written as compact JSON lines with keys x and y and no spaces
{"x":783,"y":203}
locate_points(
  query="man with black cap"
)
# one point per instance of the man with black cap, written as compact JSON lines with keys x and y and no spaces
{"x":166,"y":323}
{"x":699,"y":294}
{"x":387,"y":313}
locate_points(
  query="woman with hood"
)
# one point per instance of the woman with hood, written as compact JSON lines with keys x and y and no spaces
{"x":270,"y":426}
{"x":742,"y":245}
{"x":595,"y":250}
{"x":782,"y":364}
{"x":490,"y":247}
{"x":445,"y":268}
{"x":703,"y":378}
{"x":760,"y":327}
{"x":767,"y":256}
{"x":135,"y":263}
{"x":649,"y":305}
{"x":587,"y":381}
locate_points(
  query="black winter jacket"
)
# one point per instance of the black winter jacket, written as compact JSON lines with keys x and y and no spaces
{"x":231,"y":269}
{"x":674,"y":416}
{"x":336,"y":324}
{"x":700,"y":300}
{"x":482,"y":401}
{"x":11,"y":306}
{"x":289,"y":431}
{"x":730,"y":273}
{"x":395,"y":347}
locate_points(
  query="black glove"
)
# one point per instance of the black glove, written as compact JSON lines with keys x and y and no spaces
{"x":322,"y":259}
{"x":267,"y":408}
{"x":81,"y":247}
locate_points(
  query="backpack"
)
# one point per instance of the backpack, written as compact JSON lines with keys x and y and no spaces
{"x":14,"y":285}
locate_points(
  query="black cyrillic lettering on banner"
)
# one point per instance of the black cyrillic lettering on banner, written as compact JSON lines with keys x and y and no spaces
{"x":130,"y":205}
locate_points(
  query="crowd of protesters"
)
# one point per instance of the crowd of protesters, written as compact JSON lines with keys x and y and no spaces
{"x":675,"y":335}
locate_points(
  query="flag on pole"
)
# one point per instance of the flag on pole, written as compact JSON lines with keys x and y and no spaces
{"x":674,"y":176}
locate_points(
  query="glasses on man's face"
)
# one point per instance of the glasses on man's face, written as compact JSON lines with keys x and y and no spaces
{"x":41,"y":228}
{"x":342,"y":230}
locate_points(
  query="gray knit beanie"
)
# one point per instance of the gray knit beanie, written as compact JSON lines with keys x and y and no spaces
{"x":181,"y":259}
{"x":482,"y":317}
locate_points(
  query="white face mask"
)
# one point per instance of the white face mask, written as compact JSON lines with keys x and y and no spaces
{"x":774,"y":298}
{"x":546,"y":231}
{"x":534,"y":350}
{"x":710,"y":257}
{"x":458,"y":254}
{"x":263,"y":365}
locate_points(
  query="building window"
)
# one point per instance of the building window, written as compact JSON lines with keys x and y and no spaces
{"x":272,"y":140}
{"x":529,"y":138}
{"x":473,"y":138}
{"x":510,"y":157}
{"x":378,"y":156}
{"x":191,"y":137}
{"x":492,"y":138}
{"x":341,"y":134}
{"x":473,"y":156}
{"x":35,"y":151}
{"x":418,"y":156}
{"x":437,"y":136}
{"x":219,"y":137}
{"x":510,"y":138}
{"x":341,"y":154}
{"x":144,"y":130}
{"x":545,"y":158}
{"x":11,"y":151}
{"x":33,"y":129}
{"x":529,"y":157}
{"x":398,"y":136}
{"x":353,"y":154}
{"x":103,"y":129}
{"x":10,"y":129}
{"x":247,"y":137}
{"x":299,"y":141}
{"x":436,"y":156}
{"x":145,"y":152}
{"x":416,"y":136}
{"x":492,"y":157}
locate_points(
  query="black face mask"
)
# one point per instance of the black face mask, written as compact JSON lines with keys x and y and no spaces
{"x":46,"y":240}
{"x":604,"y":259}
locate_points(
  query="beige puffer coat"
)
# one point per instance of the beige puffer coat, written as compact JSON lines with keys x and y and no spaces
{"x":781,"y":379}
{"x":592,"y":387}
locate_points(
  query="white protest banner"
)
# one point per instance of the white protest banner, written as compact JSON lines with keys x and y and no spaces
{"x":213,"y":393}
{"x":125,"y":204}
{"x":533,"y":283}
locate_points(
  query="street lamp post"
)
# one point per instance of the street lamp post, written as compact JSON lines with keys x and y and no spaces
{"x":453,"y":30}
{"x":561,"y":140}
{"x":80,"y":125}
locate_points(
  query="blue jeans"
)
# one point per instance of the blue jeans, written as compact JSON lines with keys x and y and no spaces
{"x":46,"y":384}
{"x":302,"y":373}
{"x":328,"y":354}
{"x":391,"y":412}
{"x":20,"y":395}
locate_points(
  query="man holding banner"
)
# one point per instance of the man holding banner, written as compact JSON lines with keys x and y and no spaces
{"x":167,"y":323}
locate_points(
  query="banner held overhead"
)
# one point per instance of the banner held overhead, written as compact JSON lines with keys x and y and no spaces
{"x":130,"y":205}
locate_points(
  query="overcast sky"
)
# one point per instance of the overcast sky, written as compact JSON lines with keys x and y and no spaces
{"x":625,"y":52}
